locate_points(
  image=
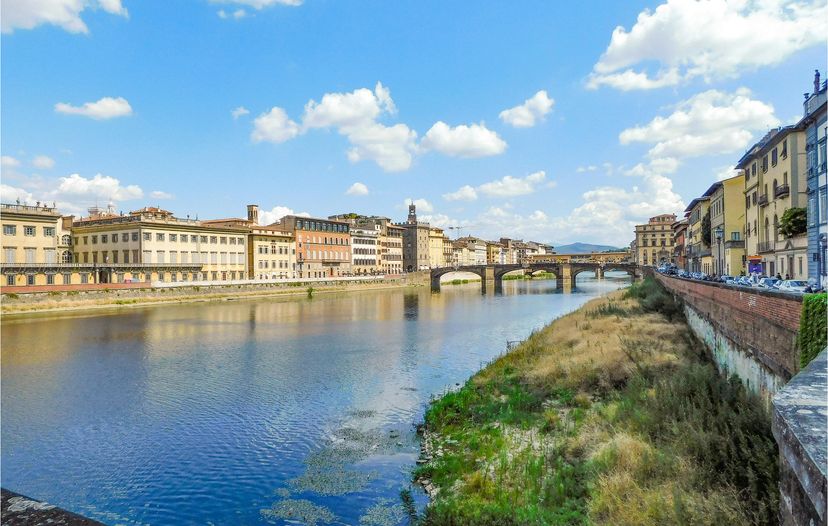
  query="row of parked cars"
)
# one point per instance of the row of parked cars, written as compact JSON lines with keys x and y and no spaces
{"x":793,"y":286}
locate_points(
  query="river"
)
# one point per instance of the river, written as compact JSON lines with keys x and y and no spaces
{"x":248,"y":412}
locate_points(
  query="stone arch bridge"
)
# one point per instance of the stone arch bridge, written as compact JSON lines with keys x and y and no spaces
{"x":565,"y":273}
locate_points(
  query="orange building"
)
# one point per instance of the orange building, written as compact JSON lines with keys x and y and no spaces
{"x":323,"y":246}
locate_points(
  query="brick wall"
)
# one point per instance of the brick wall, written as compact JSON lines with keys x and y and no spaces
{"x":762,"y":324}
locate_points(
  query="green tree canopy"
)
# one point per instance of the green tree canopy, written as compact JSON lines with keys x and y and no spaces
{"x":794,"y":222}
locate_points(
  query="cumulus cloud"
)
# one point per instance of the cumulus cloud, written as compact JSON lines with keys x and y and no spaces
{"x":11,"y":194}
{"x":268,"y":217}
{"x":239,"y":112}
{"x":422,"y":205}
{"x":100,"y":186}
{"x":464,"y":193}
{"x":105,"y":108}
{"x":43,"y":162}
{"x":8,"y":162}
{"x":507,"y":186}
{"x":510,"y":186}
{"x":530,"y":112}
{"x":261,"y":4}
{"x":712,"y":39}
{"x":473,"y":140}
{"x":274,"y":126}
{"x":159,"y":194}
{"x":28,"y":14}
{"x":711,"y":122}
{"x":357,"y":189}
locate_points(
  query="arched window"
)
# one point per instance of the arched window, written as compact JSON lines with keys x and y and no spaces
{"x":775,"y":227}
{"x":767,"y":229}
{"x":66,"y":257}
{"x":66,"y":239}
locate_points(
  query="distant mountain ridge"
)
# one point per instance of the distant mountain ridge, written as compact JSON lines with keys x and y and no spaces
{"x":583,"y":248}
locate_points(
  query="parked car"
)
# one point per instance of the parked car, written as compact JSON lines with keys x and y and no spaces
{"x":768,"y":283}
{"x":793,"y":285}
{"x":744,"y":281}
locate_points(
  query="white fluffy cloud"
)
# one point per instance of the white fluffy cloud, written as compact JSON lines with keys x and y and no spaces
{"x":100,"y":186}
{"x":43,"y":162}
{"x":267,"y":217}
{"x":239,"y":112}
{"x":422,"y":205}
{"x":588,"y":168}
{"x":11,"y":194}
{"x":28,"y":14}
{"x":105,"y":108}
{"x":274,"y":126}
{"x":530,"y":112}
{"x":8,"y":162}
{"x":464,"y":193}
{"x":357,"y":189}
{"x":510,"y":186}
{"x":160,"y":194}
{"x":473,"y":140}
{"x":261,"y":4}
{"x":711,"y":39}
{"x":238,"y":14}
{"x":711,"y":122}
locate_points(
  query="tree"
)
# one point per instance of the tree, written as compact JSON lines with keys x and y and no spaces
{"x":794,"y":222}
{"x":705,"y":229}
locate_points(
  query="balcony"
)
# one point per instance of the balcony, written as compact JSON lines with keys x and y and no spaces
{"x":766,"y":246}
{"x":782,"y":191}
{"x":734,"y":243}
{"x":763,"y":200}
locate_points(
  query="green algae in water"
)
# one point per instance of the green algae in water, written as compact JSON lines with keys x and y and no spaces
{"x":333,"y":481}
{"x":301,"y":510}
{"x":383,"y":513}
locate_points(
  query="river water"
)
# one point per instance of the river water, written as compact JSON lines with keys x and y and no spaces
{"x":248,"y":412}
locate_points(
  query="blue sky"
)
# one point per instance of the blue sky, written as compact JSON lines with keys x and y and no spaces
{"x":629,"y":124}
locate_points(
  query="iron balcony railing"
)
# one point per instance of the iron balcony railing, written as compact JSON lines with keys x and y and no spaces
{"x":763,"y":200}
{"x":782,"y":191}
{"x":734,"y":243}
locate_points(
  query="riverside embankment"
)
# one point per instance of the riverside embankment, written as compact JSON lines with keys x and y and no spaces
{"x":613,"y":414}
{"x":107,"y":298}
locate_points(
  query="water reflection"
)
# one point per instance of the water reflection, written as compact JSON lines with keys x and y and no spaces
{"x":210,"y":412}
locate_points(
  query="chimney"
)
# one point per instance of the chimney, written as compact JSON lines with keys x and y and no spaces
{"x":816,"y":81}
{"x":253,"y":214}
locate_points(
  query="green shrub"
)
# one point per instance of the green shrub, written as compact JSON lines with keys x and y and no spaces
{"x":813,"y":328}
{"x":653,"y":297}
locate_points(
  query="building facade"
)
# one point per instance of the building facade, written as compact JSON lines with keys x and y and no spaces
{"x":415,"y":242}
{"x":654,"y":241}
{"x":323,"y":246}
{"x":679,"y":243}
{"x":391,"y":253}
{"x":436,"y":253}
{"x":814,"y":123}
{"x":37,"y":246}
{"x":727,"y":221}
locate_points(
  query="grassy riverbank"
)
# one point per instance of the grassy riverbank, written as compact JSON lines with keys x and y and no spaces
{"x":13,"y":304}
{"x":610,"y":415}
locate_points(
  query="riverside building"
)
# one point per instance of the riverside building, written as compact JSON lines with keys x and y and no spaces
{"x":323,"y":246}
{"x":152,"y":244}
{"x":415,"y":242}
{"x":727,"y":220}
{"x":654,"y":241}
{"x":37,"y":246}
{"x":814,"y":123}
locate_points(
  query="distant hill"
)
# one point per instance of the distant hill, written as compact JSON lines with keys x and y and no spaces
{"x":583,"y":248}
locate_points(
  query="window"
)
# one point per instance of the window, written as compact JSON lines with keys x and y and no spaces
{"x":159,"y":237}
{"x":223,"y":240}
{"x":753,"y":169}
{"x":104,"y":238}
{"x":50,"y":279}
{"x":785,"y":149}
{"x":773,"y":157}
{"x":10,"y":280}
{"x":174,"y":237}
{"x":29,"y":231}
{"x":84,"y":278}
{"x":9,"y":254}
{"x":823,"y":205}
{"x":147,"y":236}
{"x":49,"y":231}
{"x":160,"y":256}
{"x":67,"y":279}
{"x":126,"y":256}
{"x":114,"y":256}
{"x":124,"y":237}
{"x":213,"y":240}
{"x":764,"y":164}
{"x":30,"y":255}
{"x":147,"y":257}
{"x":30,"y":279}
{"x":50,"y":256}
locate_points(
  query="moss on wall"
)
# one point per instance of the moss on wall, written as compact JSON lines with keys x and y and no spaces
{"x":813,"y":327}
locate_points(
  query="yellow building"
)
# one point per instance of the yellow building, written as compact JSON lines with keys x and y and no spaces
{"x":727,"y":220}
{"x":391,"y":253}
{"x":151,"y":244}
{"x":436,"y":248}
{"x":698,"y":252}
{"x":654,"y":241}
{"x":495,"y":253}
{"x":37,"y":246}
{"x":775,"y":181}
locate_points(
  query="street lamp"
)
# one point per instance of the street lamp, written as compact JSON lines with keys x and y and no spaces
{"x":719,"y":232}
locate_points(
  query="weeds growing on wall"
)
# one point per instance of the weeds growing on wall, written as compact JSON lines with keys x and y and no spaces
{"x":813,"y":327}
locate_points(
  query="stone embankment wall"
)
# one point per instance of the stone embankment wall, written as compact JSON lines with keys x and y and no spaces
{"x":750,"y":332}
